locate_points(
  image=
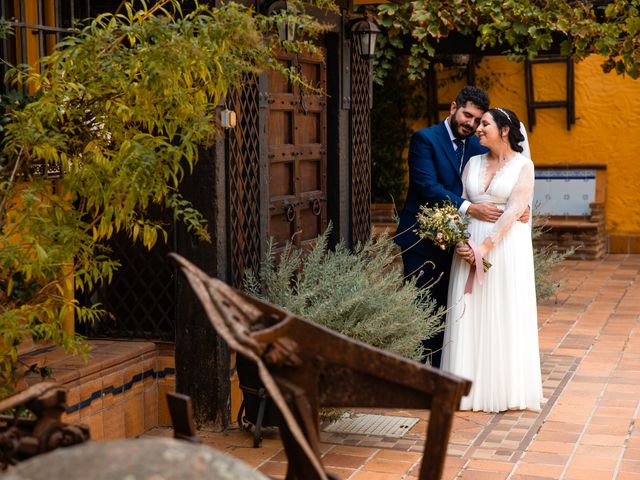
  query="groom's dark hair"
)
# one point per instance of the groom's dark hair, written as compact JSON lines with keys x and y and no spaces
{"x":475,"y":95}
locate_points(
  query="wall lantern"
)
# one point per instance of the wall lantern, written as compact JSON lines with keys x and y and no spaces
{"x":365,"y":32}
{"x":228,"y":118}
{"x":287,"y":27}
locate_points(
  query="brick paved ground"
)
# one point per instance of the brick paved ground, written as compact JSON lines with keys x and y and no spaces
{"x":590,"y":351}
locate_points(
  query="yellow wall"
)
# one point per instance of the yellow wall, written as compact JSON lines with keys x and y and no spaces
{"x":607,"y":127}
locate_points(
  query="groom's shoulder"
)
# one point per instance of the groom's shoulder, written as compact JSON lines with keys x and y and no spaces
{"x":474,"y":140}
{"x":430,"y":132}
{"x":475,"y":148}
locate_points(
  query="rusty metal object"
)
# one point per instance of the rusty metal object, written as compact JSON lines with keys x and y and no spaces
{"x":305,"y":366}
{"x":25,"y":437}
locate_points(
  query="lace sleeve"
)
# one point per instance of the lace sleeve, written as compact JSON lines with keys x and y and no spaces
{"x":516,"y":204}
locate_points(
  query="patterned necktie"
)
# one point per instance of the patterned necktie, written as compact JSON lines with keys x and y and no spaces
{"x":459,"y":152}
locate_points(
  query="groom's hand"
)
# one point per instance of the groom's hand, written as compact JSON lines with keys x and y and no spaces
{"x":524,"y":218}
{"x":487,"y":212}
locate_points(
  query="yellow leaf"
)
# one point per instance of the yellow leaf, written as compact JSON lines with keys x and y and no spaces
{"x":42,"y":254}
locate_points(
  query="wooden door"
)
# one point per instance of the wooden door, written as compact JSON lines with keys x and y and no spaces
{"x":297,"y":152}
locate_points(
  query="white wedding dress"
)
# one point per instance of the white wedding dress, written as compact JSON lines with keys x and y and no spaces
{"x":491,"y":333}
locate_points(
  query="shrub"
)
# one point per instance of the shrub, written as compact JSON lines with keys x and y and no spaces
{"x":360,"y":293}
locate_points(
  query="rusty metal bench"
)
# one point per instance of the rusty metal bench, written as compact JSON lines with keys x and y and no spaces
{"x":305,"y":366}
{"x":25,"y":437}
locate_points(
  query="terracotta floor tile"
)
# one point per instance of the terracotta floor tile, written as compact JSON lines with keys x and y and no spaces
{"x":387,"y":466}
{"x":342,"y":473}
{"x":545,"y":458}
{"x":480,"y":475}
{"x":564,"y":437}
{"x":599,"y":451}
{"x":597,"y":463}
{"x":375,"y":476}
{"x":548,"y":471}
{"x":281,"y":456}
{"x":351,"y":450}
{"x":490,"y":466}
{"x":530,"y":477}
{"x":631,"y":466}
{"x":562,"y":427}
{"x":454,"y":462}
{"x":599,"y":429}
{"x":628,"y":476}
{"x":551,"y":447}
{"x":273,"y":468}
{"x":615,"y":412}
{"x":344,"y":461}
{"x":397,"y":456}
{"x":255,"y":456}
{"x":613,"y":421}
{"x":567,"y":417}
{"x":623,"y":388}
{"x":575,"y":473}
{"x":604,"y":440}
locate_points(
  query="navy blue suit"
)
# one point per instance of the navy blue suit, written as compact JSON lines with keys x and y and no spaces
{"x":434,"y":177}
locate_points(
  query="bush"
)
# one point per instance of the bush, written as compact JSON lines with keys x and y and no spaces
{"x":361,"y":294}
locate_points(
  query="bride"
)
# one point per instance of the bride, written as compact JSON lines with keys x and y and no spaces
{"x":492,"y":332}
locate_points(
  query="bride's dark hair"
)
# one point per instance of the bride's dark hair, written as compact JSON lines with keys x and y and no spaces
{"x":506,"y":118}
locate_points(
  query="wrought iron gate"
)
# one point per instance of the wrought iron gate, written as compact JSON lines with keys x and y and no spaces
{"x":360,"y":147}
{"x":243,"y":181}
{"x":141,"y":298}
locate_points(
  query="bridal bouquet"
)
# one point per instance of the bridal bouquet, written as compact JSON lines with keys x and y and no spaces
{"x":445,"y":227}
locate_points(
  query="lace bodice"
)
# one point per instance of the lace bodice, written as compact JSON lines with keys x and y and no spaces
{"x":510,"y":188}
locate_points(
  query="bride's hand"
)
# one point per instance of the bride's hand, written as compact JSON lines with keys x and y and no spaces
{"x":465,"y":251}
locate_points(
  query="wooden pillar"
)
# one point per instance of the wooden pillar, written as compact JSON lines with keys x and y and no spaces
{"x":202,"y":358}
{"x":338,"y":130}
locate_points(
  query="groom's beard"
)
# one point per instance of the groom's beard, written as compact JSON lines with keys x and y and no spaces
{"x":458,"y":132}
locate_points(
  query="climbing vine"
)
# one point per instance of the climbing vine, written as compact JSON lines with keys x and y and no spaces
{"x":518,"y":28}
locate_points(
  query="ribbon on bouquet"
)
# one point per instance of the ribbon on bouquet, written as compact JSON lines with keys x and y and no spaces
{"x":477,"y":269}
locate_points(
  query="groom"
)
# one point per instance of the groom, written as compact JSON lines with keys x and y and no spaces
{"x":437,"y":156}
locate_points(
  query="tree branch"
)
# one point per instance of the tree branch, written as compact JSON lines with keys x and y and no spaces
{"x":11,"y":180}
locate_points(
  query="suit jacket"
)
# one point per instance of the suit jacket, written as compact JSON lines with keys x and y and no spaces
{"x":434,"y":177}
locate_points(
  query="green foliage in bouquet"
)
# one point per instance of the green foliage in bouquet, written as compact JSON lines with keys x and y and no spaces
{"x":445,"y":227}
{"x":361,"y":294}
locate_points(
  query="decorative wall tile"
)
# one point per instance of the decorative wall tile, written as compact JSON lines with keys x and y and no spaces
{"x":134,"y":415}
{"x":564,"y":192}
